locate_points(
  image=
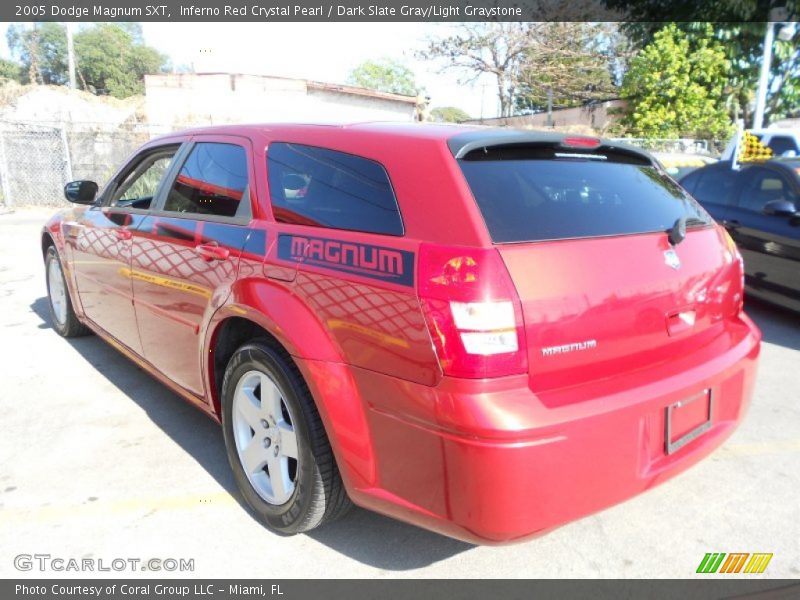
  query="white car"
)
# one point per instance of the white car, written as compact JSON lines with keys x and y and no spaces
{"x":784,"y":142}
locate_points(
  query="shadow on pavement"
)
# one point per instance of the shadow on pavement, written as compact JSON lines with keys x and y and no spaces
{"x":779,"y":326}
{"x":361,"y":535}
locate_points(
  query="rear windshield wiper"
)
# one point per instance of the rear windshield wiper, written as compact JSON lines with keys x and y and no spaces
{"x":677,"y":233}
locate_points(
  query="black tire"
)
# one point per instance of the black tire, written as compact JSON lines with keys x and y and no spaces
{"x":319,"y":495}
{"x":71,"y":326}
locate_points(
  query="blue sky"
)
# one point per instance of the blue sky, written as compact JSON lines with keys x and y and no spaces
{"x":320,"y":51}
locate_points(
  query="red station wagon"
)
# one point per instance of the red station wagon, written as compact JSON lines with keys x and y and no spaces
{"x":487,"y":333}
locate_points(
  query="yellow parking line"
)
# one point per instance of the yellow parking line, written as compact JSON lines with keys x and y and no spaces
{"x":10,"y":515}
{"x":116,"y":507}
{"x":778,"y":447}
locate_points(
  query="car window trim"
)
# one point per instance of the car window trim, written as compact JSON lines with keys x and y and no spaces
{"x":113,"y":185}
{"x":157,"y":209}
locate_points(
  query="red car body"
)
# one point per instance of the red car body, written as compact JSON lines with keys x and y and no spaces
{"x":584,"y":415}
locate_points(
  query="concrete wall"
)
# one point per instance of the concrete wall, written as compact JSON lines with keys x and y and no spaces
{"x":594,"y":116}
{"x":188,"y":99}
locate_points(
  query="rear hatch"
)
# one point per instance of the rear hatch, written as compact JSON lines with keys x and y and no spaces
{"x":584,"y":233}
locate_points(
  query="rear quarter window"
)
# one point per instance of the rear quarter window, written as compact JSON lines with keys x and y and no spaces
{"x":326,"y":188}
{"x":781,"y":144}
{"x":547,"y":195}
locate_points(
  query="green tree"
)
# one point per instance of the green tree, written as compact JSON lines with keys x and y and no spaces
{"x":740,"y":27}
{"x":570,"y":61}
{"x":528,"y":60}
{"x":110,"y":60}
{"x":491,"y":49}
{"x":448,"y":114}
{"x":384,"y":76}
{"x":10,"y":70}
{"x":675,"y":87}
{"x":42,"y":51}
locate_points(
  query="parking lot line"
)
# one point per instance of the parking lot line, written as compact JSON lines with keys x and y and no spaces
{"x":122,"y":506}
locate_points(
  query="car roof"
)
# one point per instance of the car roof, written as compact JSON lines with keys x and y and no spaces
{"x":388,"y":128}
{"x":790,"y":165}
{"x":459,"y":138}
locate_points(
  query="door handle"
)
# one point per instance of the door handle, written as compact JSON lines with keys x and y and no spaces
{"x":123,"y":233}
{"x":212,"y":251}
{"x":733,"y":223}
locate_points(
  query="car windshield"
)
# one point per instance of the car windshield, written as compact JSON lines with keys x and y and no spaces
{"x":571,"y":195}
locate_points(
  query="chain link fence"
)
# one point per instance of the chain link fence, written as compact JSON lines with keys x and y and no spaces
{"x":36,"y":160}
{"x":34,"y":163}
{"x":676,"y":145}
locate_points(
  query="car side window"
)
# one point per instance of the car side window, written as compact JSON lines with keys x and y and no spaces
{"x":689,"y":181}
{"x":761,"y":186}
{"x":715,"y":186}
{"x":325,"y":188}
{"x":139,"y":185}
{"x":212,"y":181}
{"x":783,"y":143}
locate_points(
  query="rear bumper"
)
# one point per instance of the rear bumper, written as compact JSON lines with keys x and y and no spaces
{"x":491,"y":462}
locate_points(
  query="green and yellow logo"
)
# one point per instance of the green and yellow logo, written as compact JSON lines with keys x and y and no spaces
{"x":736,"y":562}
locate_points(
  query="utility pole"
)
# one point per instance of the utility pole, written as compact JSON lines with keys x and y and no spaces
{"x":549,"y":107}
{"x":763,"y":80}
{"x":70,"y":57}
{"x":33,"y":49}
{"x":777,"y":16}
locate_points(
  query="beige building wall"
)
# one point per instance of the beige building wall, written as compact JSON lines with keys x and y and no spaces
{"x":595,"y":116}
{"x":218,"y":98}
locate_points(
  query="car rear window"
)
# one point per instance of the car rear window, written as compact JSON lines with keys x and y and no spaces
{"x":548,"y":194}
{"x":325,"y":188}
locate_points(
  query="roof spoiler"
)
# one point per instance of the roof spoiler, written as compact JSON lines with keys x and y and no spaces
{"x":462,"y":144}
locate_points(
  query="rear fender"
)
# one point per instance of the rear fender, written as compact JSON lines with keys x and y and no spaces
{"x":273,"y":307}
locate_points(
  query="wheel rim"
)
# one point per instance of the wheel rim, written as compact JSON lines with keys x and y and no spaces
{"x":58,"y":292}
{"x":265,"y":437}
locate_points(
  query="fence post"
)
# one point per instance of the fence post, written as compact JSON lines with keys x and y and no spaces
{"x":67,"y":157}
{"x":6,"y":186}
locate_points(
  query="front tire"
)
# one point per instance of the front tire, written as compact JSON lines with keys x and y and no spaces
{"x":276,"y":444}
{"x":62,"y":314}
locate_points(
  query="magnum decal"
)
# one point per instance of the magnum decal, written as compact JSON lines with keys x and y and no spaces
{"x":375,"y":262}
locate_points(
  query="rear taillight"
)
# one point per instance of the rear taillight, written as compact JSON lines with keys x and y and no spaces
{"x":736,"y":257}
{"x":472,"y":311}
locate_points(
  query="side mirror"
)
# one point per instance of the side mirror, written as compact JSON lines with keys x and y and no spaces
{"x":780,"y":208}
{"x":81,"y":192}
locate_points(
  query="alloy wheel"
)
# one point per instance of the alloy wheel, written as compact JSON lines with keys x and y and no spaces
{"x":58,"y":292}
{"x":265,"y":437}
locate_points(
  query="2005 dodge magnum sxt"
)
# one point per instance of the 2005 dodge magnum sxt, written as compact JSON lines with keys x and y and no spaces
{"x":483,"y":332}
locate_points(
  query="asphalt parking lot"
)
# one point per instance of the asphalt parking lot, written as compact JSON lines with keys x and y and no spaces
{"x":98,"y":460}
